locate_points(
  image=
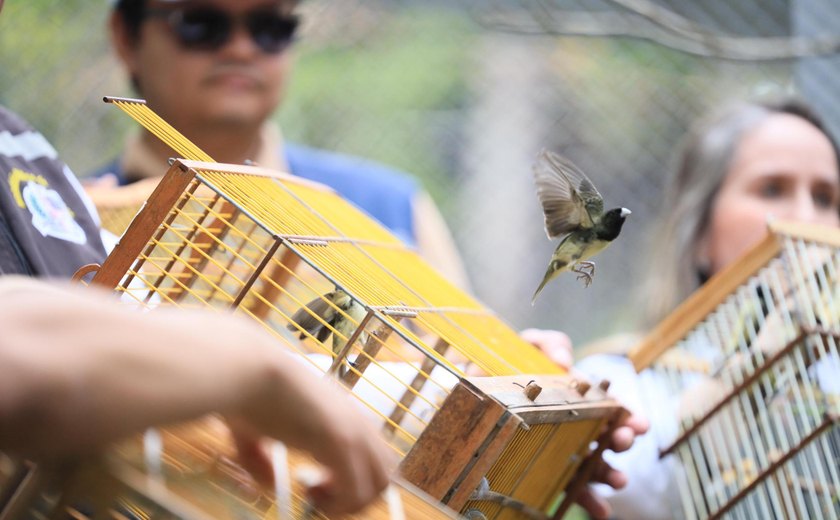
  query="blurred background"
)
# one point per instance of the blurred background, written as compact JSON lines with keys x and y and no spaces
{"x":463,"y":94}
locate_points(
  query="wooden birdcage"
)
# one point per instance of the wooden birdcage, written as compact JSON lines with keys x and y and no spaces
{"x":481,"y":420}
{"x":753,"y":357}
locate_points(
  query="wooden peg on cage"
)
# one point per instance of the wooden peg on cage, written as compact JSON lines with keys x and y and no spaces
{"x":416,"y":386}
{"x":581,"y":386}
{"x":532,"y":390}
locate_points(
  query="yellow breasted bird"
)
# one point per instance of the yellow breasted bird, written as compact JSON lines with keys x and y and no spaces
{"x":335,"y":310}
{"x":573,"y":207}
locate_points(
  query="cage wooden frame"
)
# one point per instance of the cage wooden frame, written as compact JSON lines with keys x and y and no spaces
{"x":759,"y":429}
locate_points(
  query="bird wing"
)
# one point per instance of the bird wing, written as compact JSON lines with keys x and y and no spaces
{"x":568,"y":198}
{"x":307,"y":317}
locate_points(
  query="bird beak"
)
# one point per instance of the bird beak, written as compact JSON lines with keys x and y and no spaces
{"x":625,"y":212}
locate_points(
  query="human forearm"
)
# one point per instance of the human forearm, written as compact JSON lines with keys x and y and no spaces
{"x":69,"y":386}
{"x":77,"y":370}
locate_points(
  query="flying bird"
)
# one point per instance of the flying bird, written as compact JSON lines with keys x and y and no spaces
{"x":574,"y":208}
{"x":334,"y":311}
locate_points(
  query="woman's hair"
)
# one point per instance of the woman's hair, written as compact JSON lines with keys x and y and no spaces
{"x":702,"y":162}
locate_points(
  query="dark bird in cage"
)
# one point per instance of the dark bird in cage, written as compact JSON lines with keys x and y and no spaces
{"x":336,"y":313}
{"x":574,"y":208}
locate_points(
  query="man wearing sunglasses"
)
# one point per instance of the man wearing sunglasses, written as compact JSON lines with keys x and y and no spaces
{"x":216,"y":70}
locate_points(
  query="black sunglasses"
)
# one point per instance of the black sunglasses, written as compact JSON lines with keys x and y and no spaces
{"x":209,"y":28}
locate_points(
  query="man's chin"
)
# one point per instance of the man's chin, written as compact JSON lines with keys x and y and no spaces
{"x":234,"y":121}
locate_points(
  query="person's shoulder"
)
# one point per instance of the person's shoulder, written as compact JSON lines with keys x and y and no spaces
{"x":333,"y":167}
{"x":19,"y":138}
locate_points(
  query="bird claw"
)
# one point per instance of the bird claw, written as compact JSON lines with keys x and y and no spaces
{"x":585,"y":271}
{"x":586,"y":277}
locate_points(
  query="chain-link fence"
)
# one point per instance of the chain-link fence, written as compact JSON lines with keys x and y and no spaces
{"x":464,"y":94}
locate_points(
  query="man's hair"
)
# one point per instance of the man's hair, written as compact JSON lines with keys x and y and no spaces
{"x":131,"y":12}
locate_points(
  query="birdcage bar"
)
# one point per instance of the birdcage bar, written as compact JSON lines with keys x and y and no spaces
{"x":177,"y":289}
{"x":810,"y":463}
{"x":394,"y":328}
{"x":204,"y":242}
{"x":756,"y":440}
{"x":384,"y":369}
{"x":201,"y":255}
{"x":416,"y":385}
{"x":191,"y":274}
{"x":358,"y":243}
{"x":256,"y":274}
{"x":696,"y":424}
{"x":238,"y":252}
{"x":369,"y":352}
{"x":358,"y":367}
{"x":146,"y":224}
{"x":724,"y":428}
{"x":280,"y":274}
{"x":168,"y":227}
{"x":827,"y":423}
{"x":345,"y":350}
{"x":226,"y":220}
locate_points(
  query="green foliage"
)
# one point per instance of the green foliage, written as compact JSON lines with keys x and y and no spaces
{"x":420,"y":58}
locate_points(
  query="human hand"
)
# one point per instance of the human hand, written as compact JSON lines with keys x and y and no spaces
{"x":558,"y":347}
{"x":323,"y":421}
{"x":622,"y":439}
{"x":553,"y":343}
{"x":359,"y":468}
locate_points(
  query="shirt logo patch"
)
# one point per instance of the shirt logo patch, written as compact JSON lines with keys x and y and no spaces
{"x":50,"y":214}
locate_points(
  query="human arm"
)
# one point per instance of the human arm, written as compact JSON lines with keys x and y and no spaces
{"x":434,"y":241}
{"x":78,"y":370}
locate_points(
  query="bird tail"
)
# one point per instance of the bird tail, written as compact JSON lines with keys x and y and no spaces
{"x":539,"y":289}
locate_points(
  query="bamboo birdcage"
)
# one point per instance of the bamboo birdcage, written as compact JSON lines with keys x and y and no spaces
{"x":753,"y":357}
{"x":505,"y":443}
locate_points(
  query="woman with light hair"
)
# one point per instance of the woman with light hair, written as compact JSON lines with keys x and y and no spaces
{"x":734,"y":170}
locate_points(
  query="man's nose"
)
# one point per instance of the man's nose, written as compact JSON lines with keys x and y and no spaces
{"x":240,"y":43}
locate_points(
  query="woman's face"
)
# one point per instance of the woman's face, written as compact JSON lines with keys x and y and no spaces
{"x":784,"y":168}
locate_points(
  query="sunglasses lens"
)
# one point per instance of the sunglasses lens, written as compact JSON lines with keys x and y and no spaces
{"x":271,"y":31}
{"x":209,"y":29}
{"x":203,"y":28}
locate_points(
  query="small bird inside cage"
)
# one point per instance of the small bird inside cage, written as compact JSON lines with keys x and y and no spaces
{"x":573,"y":207}
{"x":336,"y":313}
